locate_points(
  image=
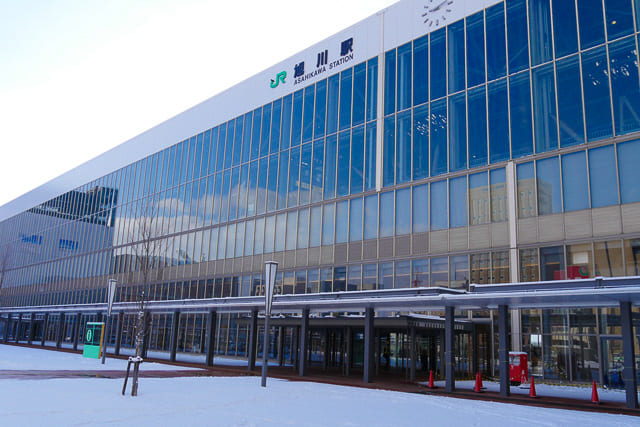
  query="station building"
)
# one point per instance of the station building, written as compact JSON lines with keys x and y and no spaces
{"x":436,"y":144}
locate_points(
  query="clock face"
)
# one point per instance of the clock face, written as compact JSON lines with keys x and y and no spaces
{"x":436,"y":12}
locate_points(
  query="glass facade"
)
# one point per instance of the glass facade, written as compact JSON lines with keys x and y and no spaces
{"x":348,"y":197}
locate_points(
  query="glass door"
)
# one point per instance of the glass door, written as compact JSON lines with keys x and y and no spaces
{"x":612,"y":362}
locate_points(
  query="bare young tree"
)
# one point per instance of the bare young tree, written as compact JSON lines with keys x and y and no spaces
{"x":147,"y":250}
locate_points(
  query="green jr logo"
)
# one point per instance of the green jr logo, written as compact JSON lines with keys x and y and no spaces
{"x":279,"y":78}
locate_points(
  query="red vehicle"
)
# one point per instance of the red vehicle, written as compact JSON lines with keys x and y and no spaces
{"x":518,"y":367}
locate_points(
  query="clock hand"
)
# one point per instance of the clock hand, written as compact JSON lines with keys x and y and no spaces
{"x":438,"y":7}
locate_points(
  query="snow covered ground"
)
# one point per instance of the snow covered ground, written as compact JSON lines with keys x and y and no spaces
{"x":234,"y":401}
{"x":23,"y":358}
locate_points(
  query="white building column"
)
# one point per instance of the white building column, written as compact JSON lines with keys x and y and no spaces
{"x":514,"y":258}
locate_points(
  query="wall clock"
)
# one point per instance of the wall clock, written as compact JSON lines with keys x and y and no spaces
{"x":436,"y":12}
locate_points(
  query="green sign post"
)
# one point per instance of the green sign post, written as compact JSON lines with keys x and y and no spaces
{"x":93,"y":339}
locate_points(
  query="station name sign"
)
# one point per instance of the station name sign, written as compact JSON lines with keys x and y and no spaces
{"x":326,"y":60}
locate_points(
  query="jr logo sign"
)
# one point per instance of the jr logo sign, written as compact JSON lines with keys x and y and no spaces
{"x":279,"y":78}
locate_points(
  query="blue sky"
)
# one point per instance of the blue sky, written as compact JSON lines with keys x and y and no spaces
{"x":80,"y":77}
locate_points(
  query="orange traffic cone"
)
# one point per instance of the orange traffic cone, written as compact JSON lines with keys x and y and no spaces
{"x":532,"y":389}
{"x":431,"y":385}
{"x":594,"y":394}
{"x":478,"y":387}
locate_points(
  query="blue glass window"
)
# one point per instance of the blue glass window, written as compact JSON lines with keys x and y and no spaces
{"x":619,"y":15}
{"x":275,"y":127}
{"x":526,"y":190}
{"x":390,"y":82}
{"x":255,"y":136}
{"x":544,"y":109}
{"x":342,"y":186}
{"x":591,"y":23}
{"x":197,"y":160}
{"x":248,"y":241}
{"x":540,"y":31}
{"x":438,"y":51}
{"x":330,"y":161}
{"x":386,"y":214}
{"x":346,"y":88}
{"x":574,"y":181}
{"x":496,"y":42}
{"x":237,"y":142}
{"x":517,"y":35}
{"x":371,"y":217}
{"x":457,"y":133}
{"x":565,"y":27}
{"x":294,"y":174}
{"x":475,"y":49}
{"x":403,"y":147}
{"x":355,"y":220}
{"x":372,"y":89}
{"x":625,"y":87}
{"x":317,"y":179}
{"x":307,"y":125}
{"x":403,"y":211}
{"x":498,"y":122}
{"x":272,"y":190}
{"x":333,"y":103}
{"x":224,"y":206}
{"x":357,"y":160}
{"x":253,"y":186}
{"x":244,"y":186}
{"x":305,"y":174}
{"x":246,"y":137}
{"x":228,"y":156}
{"x":479,"y":206}
{"x":283,"y":174}
{"x":421,"y":142}
{"x":370,"y":157}
{"x":315,"y":226}
{"x":359,"y":93}
{"x":597,"y":103}
{"x":421,"y":208}
{"x":438,"y":137}
{"x":439,"y":211}
{"x":263,"y":176}
{"x":421,"y":70}
{"x":285,"y":137}
{"x":521,"y":135}
{"x":570,"y":102}
{"x":233,"y":193}
{"x":266,"y":130}
{"x":296,"y":119}
{"x":342,"y":221}
{"x":456,"y":55}
{"x":498,"y":185}
{"x":603,"y":177}
{"x":458,"y":202}
{"x":477,"y":99}
{"x":549,"y":191}
{"x":303,"y":228}
{"x":328,"y":223}
{"x":628,"y":161}
{"x":389,"y":151}
{"x":292,"y":225}
{"x":321,"y":104}
{"x":404,"y":77}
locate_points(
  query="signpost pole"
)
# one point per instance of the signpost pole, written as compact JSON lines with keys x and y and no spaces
{"x":270,"y":268}
{"x":111,"y":293}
